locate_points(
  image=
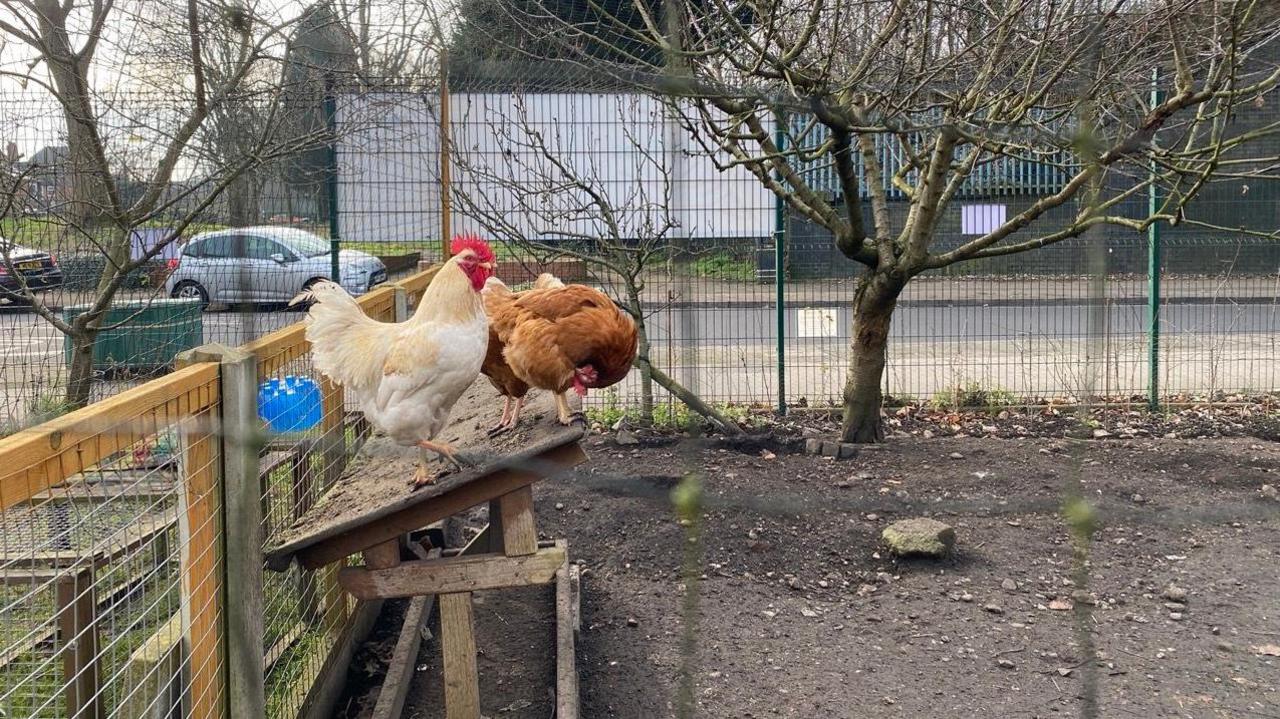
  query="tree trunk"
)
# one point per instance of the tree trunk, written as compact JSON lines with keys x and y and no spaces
{"x":872,"y":310}
{"x":642,"y":350}
{"x":80,"y":374}
{"x":88,"y":198}
{"x":242,"y":201}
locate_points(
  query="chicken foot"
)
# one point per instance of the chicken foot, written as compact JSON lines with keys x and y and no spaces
{"x":565,"y":412}
{"x":510,"y":416}
{"x":424,"y":477}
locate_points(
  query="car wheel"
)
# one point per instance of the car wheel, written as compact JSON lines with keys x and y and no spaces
{"x":187,"y":289}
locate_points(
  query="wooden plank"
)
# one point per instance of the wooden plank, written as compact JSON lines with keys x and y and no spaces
{"x":43,"y":456}
{"x":303,"y":497}
{"x":417,"y":510}
{"x":282,"y":645}
{"x":321,"y":691}
{"x":242,"y":514}
{"x":566,"y":658}
{"x":383,"y":556}
{"x":333,"y":435}
{"x":457,"y":635}
{"x":399,"y":675}
{"x":78,"y":644}
{"x":452,"y":575}
{"x":278,"y":348}
{"x":135,"y":536}
{"x":201,"y":564}
{"x":516,"y":534}
{"x":152,"y":678}
{"x":416,"y":284}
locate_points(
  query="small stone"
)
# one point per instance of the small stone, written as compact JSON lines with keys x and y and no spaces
{"x":1060,"y":605}
{"x":813,"y":445}
{"x":1138,"y":499}
{"x":1009,"y":585}
{"x":1270,"y":492}
{"x":823,"y":583}
{"x":1006,"y":664}
{"x":831,"y":449}
{"x":1175,"y":606}
{"x":994,"y":608}
{"x":633,"y":622}
{"x":956,"y":455}
{"x":1175,"y":616}
{"x":807,"y":612}
{"x":766,"y":454}
{"x":767,"y":614}
{"x":1175,"y":594}
{"x":966,"y":597}
{"x":848,"y":450}
{"x":560,"y":506}
{"x":1101,"y":434}
{"x":919,"y":537}
{"x":1064,"y":672}
{"x":625,"y":438}
{"x":872,"y":516}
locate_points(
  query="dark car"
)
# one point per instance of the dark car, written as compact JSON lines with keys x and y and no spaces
{"x":21,"y":266}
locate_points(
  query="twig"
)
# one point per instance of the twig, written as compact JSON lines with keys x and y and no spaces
{"x":1009,"y":651}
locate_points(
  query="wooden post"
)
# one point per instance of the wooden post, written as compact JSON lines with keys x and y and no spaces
{"x":240,"y":527}
{"x":446,"y":183}
{"x":512,"y":530}
{"x":201,"y":535}
{"x":78,"y":644}
{"x":333,"y":439}
{"x":303,"y":497}
{"x":461,"y":678}
{"x":401,"y":304}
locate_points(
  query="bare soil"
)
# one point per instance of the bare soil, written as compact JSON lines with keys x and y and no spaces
{"x":801,"y":612}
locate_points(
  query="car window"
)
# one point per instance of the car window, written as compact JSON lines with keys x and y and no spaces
{"x":260,"y":248}
{"x":213,"y":247}
{"x":308,"y":245}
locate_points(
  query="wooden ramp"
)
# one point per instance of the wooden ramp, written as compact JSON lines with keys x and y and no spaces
{"x":373,"y":510}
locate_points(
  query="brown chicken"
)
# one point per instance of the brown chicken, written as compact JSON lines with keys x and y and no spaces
{"x":555,"y":337}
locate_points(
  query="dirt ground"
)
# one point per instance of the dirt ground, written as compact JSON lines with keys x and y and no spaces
{"x":801,"y":612}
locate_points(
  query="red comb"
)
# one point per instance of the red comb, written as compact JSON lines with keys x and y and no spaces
{"x":473,"y":243}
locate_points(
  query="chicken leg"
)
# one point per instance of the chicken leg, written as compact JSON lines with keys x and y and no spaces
{"x":510,"y":416}
{"x":565,"y":412}
{"x":423,"y":477}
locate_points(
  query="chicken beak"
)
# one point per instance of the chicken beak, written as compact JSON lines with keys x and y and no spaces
{"x":488,"y":265}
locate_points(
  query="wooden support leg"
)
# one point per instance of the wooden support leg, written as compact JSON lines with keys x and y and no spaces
{"x":78,"y":641}
{"x":512,"y":530}
{"x":461,"y":679}
{"x":383,"y":556}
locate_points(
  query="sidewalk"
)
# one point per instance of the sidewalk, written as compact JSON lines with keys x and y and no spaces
{"x":966,"y":290}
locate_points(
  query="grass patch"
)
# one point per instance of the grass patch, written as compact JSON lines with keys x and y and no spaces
{"x":670,"y":415}
{"x":972,"y":395}
{"x":723,"y":266}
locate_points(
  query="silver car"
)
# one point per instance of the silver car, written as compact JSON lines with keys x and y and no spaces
{"x":266,"y":265}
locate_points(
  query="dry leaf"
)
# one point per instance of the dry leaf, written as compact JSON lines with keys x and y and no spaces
{"x":1267,"y":650}
{"x":1060,"y":605}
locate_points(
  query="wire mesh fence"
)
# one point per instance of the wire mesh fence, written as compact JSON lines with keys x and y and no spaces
{"x":111,"y":558}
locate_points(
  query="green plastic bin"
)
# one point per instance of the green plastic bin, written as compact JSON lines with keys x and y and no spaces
{"x":153,"y":332}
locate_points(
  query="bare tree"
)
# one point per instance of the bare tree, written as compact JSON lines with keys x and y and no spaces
{"x":548,"y":193}
{"x":911,"y":104}
{"x":148,"y":77}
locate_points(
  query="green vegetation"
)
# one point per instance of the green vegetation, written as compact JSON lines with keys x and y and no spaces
{"x":673,"y":415}
{"x":972,"y":395}
{"x":723,"y":266}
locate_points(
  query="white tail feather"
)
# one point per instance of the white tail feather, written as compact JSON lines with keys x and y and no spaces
{"x":547,"y":281}
{"x":343,"y":339}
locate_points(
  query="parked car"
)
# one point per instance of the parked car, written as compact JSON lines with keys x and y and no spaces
{"x":37,"y":269}
{"x":265,"y":265}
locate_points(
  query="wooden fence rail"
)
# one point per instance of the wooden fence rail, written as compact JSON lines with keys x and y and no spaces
{"x":210,"y":401}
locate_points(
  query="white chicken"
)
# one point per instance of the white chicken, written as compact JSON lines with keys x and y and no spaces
{"x":407,"y":376}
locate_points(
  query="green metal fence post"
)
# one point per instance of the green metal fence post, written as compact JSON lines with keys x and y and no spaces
{"x":331,"y":180}
{"x":779,"y":257}
{"x":1153,"y":273}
